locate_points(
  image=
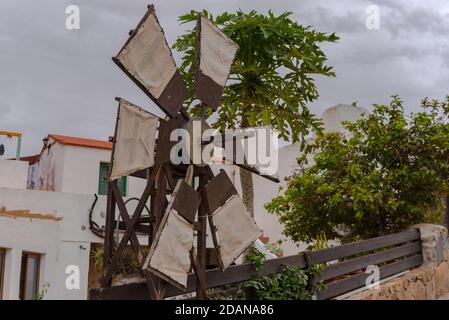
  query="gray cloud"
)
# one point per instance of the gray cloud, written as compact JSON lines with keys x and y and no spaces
{"x":58,"y":81}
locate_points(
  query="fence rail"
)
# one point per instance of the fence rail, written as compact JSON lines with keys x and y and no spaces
{"x":392,"y":253}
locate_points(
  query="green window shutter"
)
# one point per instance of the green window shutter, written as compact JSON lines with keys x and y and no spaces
{"x":122,"y":185}
{"x":103,"y":181}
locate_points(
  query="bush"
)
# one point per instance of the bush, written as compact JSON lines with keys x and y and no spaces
{"x":389,"y":172}
{"x":292,"y":283}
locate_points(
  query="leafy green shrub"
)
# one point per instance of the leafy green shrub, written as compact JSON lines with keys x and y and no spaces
{"x":292,"y":283}
{"x":128,"y":264}
{"x":41,"y":295}
{"x":255,"y":257}
{"x":389,"y":172}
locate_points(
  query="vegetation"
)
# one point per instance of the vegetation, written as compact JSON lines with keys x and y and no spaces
{"x":320,"y":242}
{"x":255,"y":257}
{"x":271,"y":79}
{"x":292,"y":283}
{"x":390,"y":171}
{"x":41,"y":295}
{"x":275,"y":249}
{"x":128,"y":265}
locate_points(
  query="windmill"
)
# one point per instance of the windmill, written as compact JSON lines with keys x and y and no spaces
{"x":142,"y":147}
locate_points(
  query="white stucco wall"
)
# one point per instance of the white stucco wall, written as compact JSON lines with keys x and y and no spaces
{"x":77,"y":170}
{"x":57,"y":241}
{"x":59,"y":163}
{"x":135,"y":187}
{"x":37,"y":236}
{"x":265,"y":190}
{"x":82,"y":169}
{"x":332,"y":117}
{"x":61,"y":243}
{"x":13,"y":174}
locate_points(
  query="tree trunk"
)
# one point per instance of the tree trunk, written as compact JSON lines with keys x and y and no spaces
{"x":246,"y":180}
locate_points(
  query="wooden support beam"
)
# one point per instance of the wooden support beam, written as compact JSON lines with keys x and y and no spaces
{"x":125,"y":216}
{"x":139,"y":227}
{"x":158,"y":208}
{"x":109,"y":235}
{"x":127,"y":235}
{"x":200,"y":261}
{"x":200,"y":275}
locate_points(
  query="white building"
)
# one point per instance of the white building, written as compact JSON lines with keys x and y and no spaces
{"x":44,"y":211}
{"x":44,"y":234}
{"x":76,"y":165}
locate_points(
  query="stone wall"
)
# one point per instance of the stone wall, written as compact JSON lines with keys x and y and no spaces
{"x":428,"y":282}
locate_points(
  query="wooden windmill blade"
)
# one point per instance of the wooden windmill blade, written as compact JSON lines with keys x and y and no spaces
{"x":164,"y":142}
{"x":215,"y":54}
{"x":169,"y":255}
{"x":134,"y":140}
{"x":232,"y":227}
{"x":147,"y":59}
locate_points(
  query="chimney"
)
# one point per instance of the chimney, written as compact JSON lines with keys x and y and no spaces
{"x":45,"y":141}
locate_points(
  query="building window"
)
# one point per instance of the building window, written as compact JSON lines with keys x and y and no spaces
{"x":2,"y":270}
{"x":103,"y":181}
{"x":29,"y":276}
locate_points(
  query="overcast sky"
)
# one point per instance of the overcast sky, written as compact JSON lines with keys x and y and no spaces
{"x":54,"y":80}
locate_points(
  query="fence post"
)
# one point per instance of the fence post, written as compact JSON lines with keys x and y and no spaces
{"x":310,"y":277}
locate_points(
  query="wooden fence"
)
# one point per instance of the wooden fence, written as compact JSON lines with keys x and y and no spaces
{"x":344,"y":269}
{"x":393,"y":253}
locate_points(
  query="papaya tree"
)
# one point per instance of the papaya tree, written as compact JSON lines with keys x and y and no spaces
{"x":271,"y":81}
